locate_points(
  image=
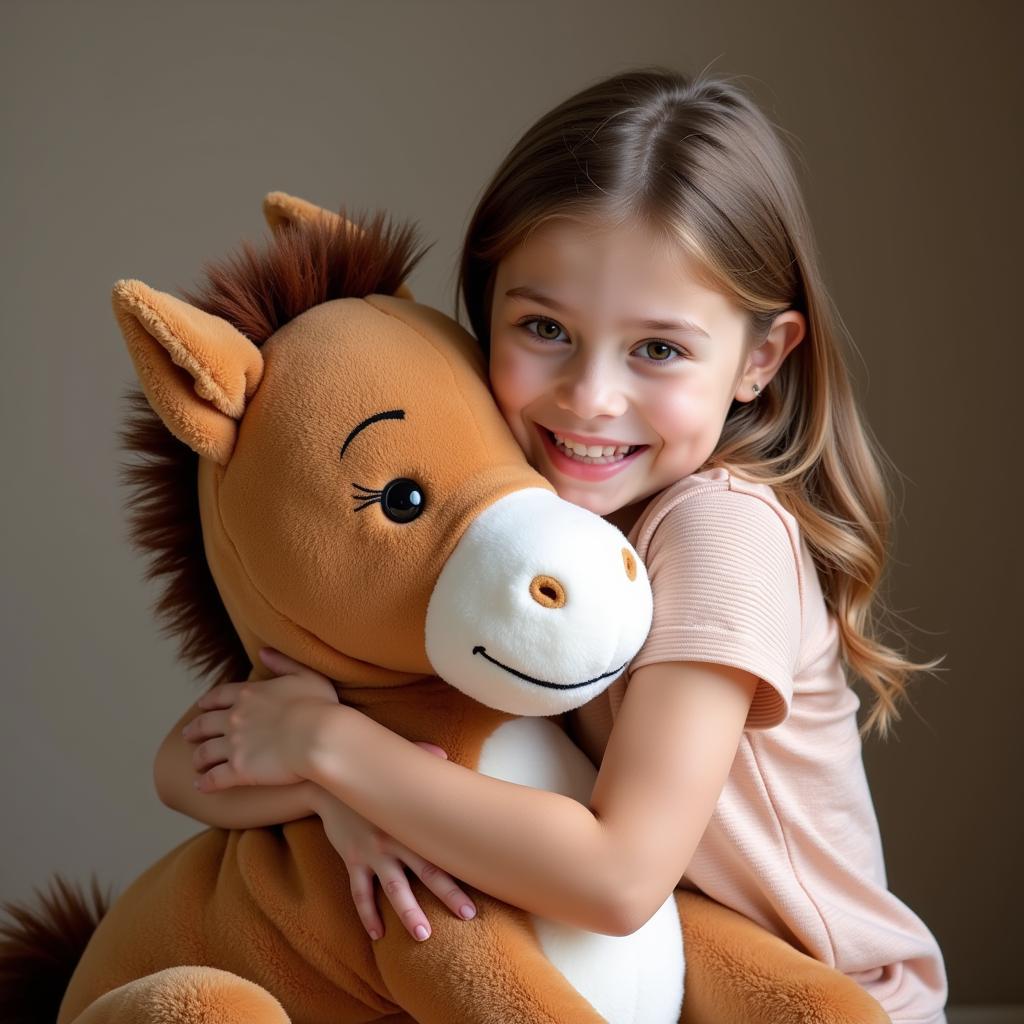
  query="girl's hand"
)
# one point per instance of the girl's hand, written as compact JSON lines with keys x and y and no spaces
{"x":241,"y":737}
{"x":369,"y":852}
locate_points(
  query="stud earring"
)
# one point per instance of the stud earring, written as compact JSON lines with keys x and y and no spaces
{"x":756,"y":388}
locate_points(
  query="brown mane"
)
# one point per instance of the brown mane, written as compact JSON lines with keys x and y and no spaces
{"x":258,"y":291}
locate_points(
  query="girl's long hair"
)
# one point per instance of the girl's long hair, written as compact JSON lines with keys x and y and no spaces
{"x":696,"y":159}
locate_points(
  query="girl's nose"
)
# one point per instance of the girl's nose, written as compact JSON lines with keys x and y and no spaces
{"x":589,"y":392}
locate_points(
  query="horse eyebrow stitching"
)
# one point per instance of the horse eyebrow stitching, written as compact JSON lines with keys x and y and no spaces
{"x":394,"y":414}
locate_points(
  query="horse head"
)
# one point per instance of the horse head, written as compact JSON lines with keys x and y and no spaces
{"x":361,"y":502}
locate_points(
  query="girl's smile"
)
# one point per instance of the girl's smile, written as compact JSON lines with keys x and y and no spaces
{"x":603,"y":458}
{"x":614,"y":366}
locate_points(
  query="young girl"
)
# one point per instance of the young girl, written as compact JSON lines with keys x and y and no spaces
{"x":642,"y":276}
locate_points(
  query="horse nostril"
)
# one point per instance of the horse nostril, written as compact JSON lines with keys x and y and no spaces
{"x":547,"y":591}
{"x":630,"y":563}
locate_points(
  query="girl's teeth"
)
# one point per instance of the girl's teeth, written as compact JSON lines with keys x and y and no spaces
{"x":592,"y":453}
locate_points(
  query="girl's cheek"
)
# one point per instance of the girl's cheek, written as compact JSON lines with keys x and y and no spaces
{"x":694,"y":423}
{"x":679,"y":412}
{"x":499,"y":370}
{"x":514,"y":380}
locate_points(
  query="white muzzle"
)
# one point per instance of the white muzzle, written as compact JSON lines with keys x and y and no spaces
{"x":540,"y":607}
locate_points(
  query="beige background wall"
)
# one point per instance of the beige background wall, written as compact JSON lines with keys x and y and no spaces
{"x":138,"y":140}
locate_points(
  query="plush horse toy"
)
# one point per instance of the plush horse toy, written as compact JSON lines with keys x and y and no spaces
{"x":326,"y":473}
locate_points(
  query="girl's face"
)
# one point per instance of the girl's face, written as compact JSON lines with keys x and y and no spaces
{"x":614,"y":367}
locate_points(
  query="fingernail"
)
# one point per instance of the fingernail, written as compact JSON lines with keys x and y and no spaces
{"x":421,"y":932}
{"x":467,"y":912}
{"x":374,"y":936}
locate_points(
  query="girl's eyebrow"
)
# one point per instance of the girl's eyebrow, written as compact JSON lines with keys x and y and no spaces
{"x":687,"y":326}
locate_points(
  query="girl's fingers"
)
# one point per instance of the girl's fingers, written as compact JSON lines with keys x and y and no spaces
{"x":219,"y":777}
{"x":361,"y":883}
{"x":432,"y":748}
{"x":396,"y":887}
{"x":212,"y":723}
{"x":281,"y":663}
{"x":210,"y":753}
{"x":442,"y":885}
{"x":223,"y":695}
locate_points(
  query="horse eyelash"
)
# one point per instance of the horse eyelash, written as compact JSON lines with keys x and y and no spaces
{"x":368,"y":497}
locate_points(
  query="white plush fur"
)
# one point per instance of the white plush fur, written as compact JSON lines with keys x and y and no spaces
{"x":482,"y":599}
{"x":630,"y":979}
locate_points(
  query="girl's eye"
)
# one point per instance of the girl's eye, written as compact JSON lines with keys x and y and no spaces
{"x":660,"y":351}
{"x":546,"y":330}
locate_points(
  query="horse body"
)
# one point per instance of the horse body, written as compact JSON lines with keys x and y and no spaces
{"x":365,"y":509}
{"x":272,"y":906}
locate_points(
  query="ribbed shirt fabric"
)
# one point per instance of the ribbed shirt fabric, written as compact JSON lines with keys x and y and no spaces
{"x":794,"y":842}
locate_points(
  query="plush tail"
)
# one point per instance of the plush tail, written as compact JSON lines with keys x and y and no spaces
{"x":40,"y":946}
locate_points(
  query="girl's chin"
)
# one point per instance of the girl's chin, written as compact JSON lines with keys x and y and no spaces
{"x":591,"y":500}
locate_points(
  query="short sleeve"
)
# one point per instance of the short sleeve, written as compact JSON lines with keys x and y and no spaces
{"x":724,"y":574}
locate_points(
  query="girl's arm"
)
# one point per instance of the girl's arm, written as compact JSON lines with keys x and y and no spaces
{"x":367,"y":852}
{"x":607,"y":867}
{"x":241,"y":807}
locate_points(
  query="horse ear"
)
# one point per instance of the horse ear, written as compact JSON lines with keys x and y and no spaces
{"x":197,"y":370}
{"x":282,"y":210}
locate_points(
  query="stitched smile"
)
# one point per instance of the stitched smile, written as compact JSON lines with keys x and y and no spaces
{"x":540,"y":682}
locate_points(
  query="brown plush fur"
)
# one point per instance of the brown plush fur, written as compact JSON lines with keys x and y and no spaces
{"x":257,"y":291}
{"x":286,"y":550}
{"x":40,"y":946}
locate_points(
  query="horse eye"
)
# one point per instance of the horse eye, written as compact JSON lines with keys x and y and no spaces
{"x":402,"y":500}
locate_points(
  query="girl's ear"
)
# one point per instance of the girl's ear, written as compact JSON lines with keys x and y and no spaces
{"x":282,"y":210}
{"x":763,"y":362}
{"x":198,"y":372}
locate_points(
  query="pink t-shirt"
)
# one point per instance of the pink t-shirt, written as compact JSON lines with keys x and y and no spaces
{"x":793,"y":843}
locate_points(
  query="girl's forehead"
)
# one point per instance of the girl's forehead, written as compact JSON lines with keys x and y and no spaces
{"x":605,"y":231}
{"x":620,"y":267}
